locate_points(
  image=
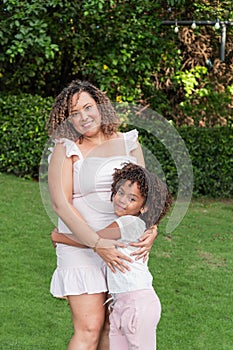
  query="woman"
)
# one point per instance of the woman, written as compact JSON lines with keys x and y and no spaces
{"x":87,"y":149}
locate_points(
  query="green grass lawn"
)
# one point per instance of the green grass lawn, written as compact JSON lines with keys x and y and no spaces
{"x":192,"y":269}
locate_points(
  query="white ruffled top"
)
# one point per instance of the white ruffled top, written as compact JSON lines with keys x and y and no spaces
{"x":139,"y":276}
{"x":92,"y":182}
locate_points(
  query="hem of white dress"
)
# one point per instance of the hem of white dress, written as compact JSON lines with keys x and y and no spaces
{"x":75,"y":293}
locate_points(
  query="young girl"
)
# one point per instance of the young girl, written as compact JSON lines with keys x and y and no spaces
{"x":140,"y":199}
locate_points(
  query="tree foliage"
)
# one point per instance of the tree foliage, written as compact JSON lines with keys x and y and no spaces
{"x":122,"y":46}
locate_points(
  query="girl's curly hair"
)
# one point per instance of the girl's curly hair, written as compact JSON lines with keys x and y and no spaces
{"x":58,"y":124}
{"x":157,"y":198}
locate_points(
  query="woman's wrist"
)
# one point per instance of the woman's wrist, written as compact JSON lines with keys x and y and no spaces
{"x":96,"y":244}
{"x":154,"y":230}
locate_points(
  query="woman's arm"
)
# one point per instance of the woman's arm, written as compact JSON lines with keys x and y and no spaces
{"x":60,"y":180}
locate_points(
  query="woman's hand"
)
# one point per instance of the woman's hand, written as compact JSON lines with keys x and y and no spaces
{"x":145,"y":243}
{"x":106,"y":249}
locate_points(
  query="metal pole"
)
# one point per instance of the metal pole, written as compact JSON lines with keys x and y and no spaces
{"x":223,"y":25}
{"x":198,"y":23}
{"x":223,"y":42}
{"x":183,"y":23}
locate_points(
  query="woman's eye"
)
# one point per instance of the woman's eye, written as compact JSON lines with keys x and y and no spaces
{"x":75,"y":115}
{"x":88,"y":108}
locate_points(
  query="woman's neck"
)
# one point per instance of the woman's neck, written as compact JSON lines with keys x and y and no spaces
{"x":95,"y":139}
{"x":98,"y":139}
{"x":100,"y":145}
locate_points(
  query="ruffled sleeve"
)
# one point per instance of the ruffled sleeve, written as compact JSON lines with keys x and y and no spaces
{"x":131,"y":140}
{"x":70,"y":146}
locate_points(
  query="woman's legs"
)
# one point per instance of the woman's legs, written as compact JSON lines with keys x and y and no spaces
{"x":104,"y":337}
{"x":88,"y":314}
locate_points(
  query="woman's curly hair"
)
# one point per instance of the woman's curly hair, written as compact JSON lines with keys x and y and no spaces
{"x":58,"y":124}
{"x":157,"y":198}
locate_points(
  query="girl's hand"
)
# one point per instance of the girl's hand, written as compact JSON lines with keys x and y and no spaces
{"x":53,"y":237}
{"x":106,"y":249}
{"x":145,"y":243}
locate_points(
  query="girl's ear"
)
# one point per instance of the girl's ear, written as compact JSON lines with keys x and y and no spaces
{"x":143,"y":210}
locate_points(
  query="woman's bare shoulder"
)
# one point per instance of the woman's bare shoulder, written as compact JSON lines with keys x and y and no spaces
{"x":118,"y":135}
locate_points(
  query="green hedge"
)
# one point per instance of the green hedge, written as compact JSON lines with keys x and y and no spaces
{"x":211,"y":154}
{"x":23,"y":138}
{"x":22,"y":133}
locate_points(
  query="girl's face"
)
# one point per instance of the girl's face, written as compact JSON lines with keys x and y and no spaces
{"x":85,"y":115}
{"x":128,"y":200}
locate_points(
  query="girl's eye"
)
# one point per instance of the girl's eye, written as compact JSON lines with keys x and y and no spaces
{"x":132,"y":200}
{"x":88,"y":108}
{"x":120,"y":193}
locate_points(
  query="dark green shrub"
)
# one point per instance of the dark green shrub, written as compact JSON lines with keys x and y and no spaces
{"x":22,"y":133}
{"x":23,"y":138}
{"x":211,"y":154}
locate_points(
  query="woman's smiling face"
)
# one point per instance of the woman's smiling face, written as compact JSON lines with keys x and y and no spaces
{"x":85,"y":115}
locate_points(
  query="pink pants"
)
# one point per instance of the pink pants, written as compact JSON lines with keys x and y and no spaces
{"x":133,"y":320}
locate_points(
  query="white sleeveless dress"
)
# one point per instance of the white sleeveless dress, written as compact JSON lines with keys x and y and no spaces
{"x":81,"y":270}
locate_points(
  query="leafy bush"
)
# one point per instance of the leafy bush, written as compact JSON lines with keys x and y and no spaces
{"x":206,"y":103}
{"x":211,"y":154}
{"x":22,"y":133}
{"x":23,"y":137}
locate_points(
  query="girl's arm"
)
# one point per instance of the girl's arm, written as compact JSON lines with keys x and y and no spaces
{"x":112,"y":231}
{"x":63,"y":238}
{"x":149,"y":236}
{"x":145,"y":243}
{"x":60,"y":180}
